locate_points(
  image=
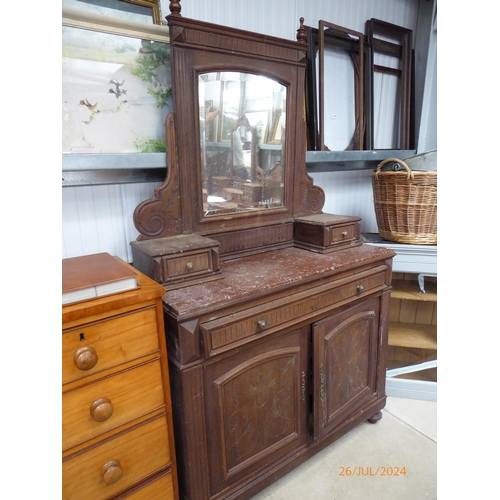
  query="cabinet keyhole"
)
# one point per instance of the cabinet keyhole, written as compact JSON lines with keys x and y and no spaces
{"x":82,"y":337}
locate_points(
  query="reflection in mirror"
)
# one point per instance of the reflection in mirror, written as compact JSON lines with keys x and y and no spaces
{"x":242,"y":133}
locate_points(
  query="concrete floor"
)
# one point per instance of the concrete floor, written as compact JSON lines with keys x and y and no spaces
{"x":405,"y":439}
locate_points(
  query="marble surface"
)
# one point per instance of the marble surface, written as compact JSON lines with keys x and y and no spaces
{"x":270,"y":271}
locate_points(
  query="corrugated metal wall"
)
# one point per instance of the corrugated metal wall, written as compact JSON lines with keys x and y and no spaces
{"x":99,"y":218}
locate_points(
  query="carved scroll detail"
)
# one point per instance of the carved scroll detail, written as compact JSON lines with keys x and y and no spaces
{"x":310,"y":198}
{"x":161,"y":216}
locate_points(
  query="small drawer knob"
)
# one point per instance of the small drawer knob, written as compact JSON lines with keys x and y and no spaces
{"x":85,"y":358}
{"x":344,"y":233}
{"x":360,"y":288}
{"x":189,"y":266}
{"x":262,"y":324}
{"x":111,"y":472}
{"x":101,"y":409}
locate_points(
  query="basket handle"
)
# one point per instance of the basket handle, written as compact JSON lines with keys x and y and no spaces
{"x":399,"y":162}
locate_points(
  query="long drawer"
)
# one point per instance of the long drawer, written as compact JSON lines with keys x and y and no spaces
{"x":122,"y":462}
{"x":222,"y":334}
{"x":96,"y":408}
{"x":94,"y":347}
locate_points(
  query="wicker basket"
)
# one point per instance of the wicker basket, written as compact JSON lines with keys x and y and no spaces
{"x":405,"y":204}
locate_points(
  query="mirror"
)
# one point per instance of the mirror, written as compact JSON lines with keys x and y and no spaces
{"x":242,"y":134}
{"x":236,"y":141}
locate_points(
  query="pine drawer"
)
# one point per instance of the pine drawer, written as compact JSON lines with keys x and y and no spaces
{"x":138,"y":453}
{"x":104,"y":405}
{"x":161,"y":488}
{"x":108,"y":343}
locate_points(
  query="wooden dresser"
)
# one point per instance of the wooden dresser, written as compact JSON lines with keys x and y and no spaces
{"x":274,"y":362}
{"x":282,"y":348}
{"x":117,"y":434}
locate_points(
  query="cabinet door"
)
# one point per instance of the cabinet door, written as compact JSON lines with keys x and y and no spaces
{"x":346,"y":354}
{"x":256,"y":404}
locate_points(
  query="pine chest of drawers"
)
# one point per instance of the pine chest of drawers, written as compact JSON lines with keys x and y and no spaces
{"x":117,"y":434}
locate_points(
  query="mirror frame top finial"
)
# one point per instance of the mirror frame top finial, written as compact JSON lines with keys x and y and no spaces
{"x":175,"y":7}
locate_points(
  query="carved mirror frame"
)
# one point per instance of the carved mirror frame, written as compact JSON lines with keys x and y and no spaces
{"x":177,"y":207}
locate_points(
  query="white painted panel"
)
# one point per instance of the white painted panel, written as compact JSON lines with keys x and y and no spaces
{"x":281,"y":17}
{"x":100,"y":218}
{"x":349,"y":193}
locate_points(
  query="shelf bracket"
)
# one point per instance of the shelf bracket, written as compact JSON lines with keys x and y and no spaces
{"x":421,"y":280}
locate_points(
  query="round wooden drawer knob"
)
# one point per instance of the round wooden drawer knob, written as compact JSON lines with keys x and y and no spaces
{"x":111,"y":472}
{"x":85,"y":358}
{"x":101,"y":409}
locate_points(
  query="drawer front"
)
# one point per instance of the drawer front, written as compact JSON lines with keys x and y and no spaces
{"x":96,"y":408}
{"x":108,"y":343}
{"x":344,"y":234}
{"x":186,"y":265}
{"x":137,"y":453}
{"x":222,"y":333}
{"x":159,"y":489}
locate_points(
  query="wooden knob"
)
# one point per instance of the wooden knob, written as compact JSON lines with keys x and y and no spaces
{"x":111,"y":472}
{"x":85,"y":358}
{"x":101,"y":409}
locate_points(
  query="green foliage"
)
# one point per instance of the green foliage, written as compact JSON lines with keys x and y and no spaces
{"x":151,"y":146}
{"x":162,"y":97}
{"x":153,"y":55}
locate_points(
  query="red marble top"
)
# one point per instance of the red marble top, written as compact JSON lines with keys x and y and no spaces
{"x":266,"y":271}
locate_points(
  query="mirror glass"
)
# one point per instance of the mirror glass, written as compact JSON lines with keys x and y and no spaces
{"x":242,"y":133}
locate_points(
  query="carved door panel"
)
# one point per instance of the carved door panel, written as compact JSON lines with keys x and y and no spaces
{"x":345,"y":364}
{"x":257,"y":408}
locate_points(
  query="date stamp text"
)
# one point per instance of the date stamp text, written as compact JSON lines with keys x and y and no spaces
{"x":369,"y":471}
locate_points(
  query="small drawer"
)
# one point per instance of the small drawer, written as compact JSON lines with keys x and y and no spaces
{"x":161,"y":488}
{"x":104,"y":344}
{"x":93,"y":409}
{"x":343,"y":234}
{"x":116,"y":464}
{"x":239,"y":328}
{"x":178,"y":260}
{"x":186,"y":265}
{"x":325,"y":233}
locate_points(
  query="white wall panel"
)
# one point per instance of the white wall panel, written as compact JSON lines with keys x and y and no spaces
{"x":349,"y":193}
{"x":99,"y":218}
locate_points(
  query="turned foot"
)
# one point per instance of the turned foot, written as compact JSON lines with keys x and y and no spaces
{"x":375,"y":418}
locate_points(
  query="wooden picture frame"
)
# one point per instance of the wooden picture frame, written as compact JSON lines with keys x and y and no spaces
{"x":394,"y":41}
